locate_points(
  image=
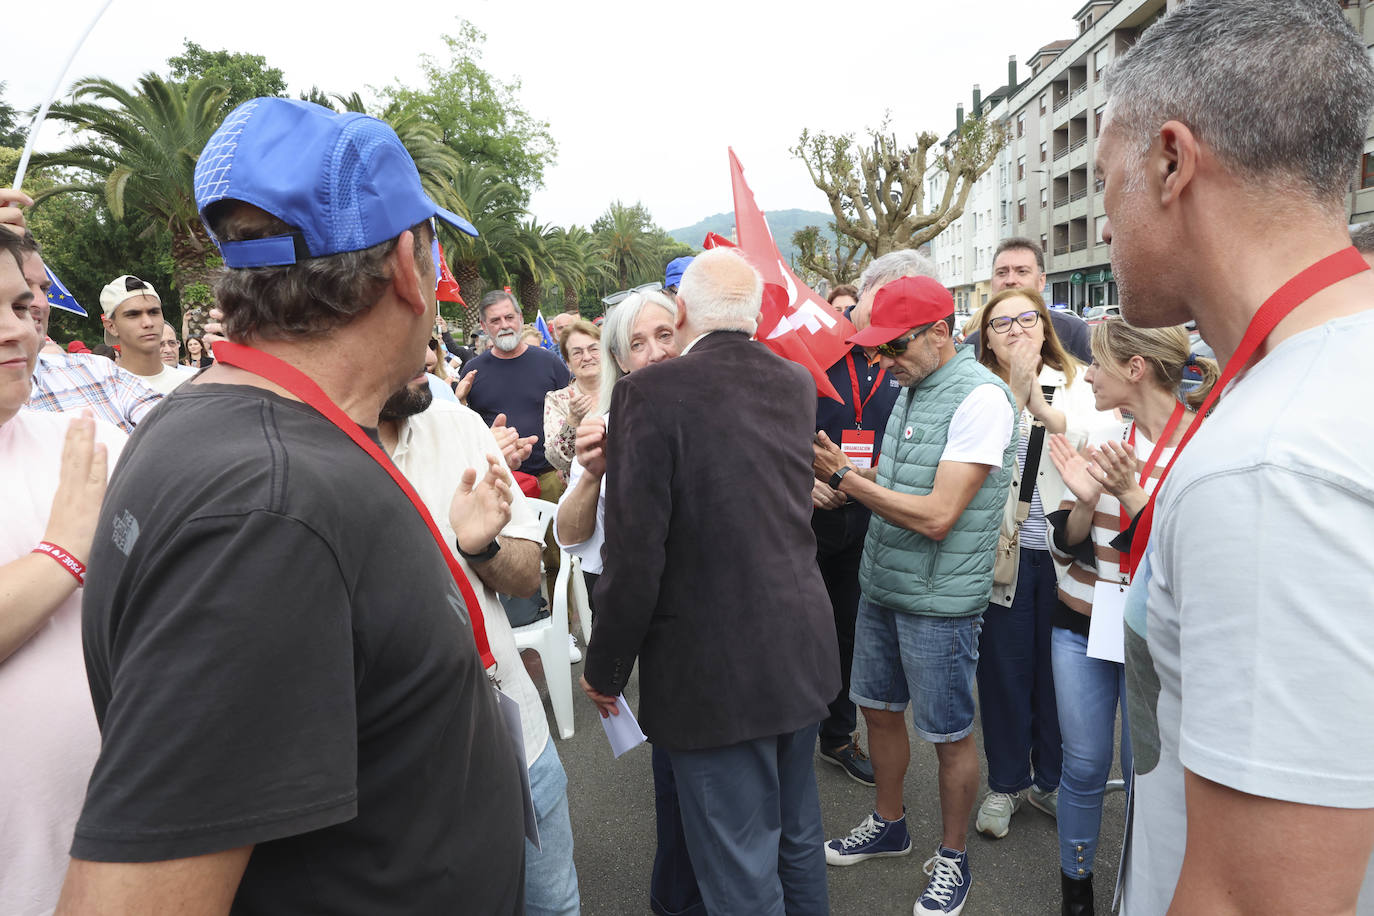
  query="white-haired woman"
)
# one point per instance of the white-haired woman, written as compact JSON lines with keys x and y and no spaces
{"x":638,"y":331}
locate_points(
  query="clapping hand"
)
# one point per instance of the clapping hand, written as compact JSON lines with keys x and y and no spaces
{"x":514,"y":449}
{"x":578,"y":408}
{"x":464,"y":386}
{"x":591,"y":446}
{"x":480,"y":508}
{"x":1116,"y":464}
{"x":1080,"y":475}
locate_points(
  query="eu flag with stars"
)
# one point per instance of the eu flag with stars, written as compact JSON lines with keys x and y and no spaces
{"x":543,"y":327}
{"x":60,"y":297}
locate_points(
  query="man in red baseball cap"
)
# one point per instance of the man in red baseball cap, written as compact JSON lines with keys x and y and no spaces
{"x":937,"y":496}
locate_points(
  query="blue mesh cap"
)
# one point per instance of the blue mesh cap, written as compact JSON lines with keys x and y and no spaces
{"x":672,"y":275}
{"x":345,"y":181}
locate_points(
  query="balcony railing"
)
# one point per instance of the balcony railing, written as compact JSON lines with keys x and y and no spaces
{"x":1077,"y":144}
{"x":1079,"y":246}
{"x":1099,"y":184}
{"x":1079,"y":91}
{"x":1061,"y":201}
{"x":1061,"y":103}
{"x":1061,"y":249}
{"x":1060,"y":153}
{"x":1079,"y":194}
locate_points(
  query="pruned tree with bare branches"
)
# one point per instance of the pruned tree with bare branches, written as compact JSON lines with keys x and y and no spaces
{"x":877,"y":189}
{"x":815,"y":259}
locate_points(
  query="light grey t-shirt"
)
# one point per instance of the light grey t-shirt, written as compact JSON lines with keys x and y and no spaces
{"x":1250,"y":638}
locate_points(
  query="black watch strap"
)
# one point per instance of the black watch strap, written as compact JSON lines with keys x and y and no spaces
{"x":836,"y":477}
{"x":487,"y":554}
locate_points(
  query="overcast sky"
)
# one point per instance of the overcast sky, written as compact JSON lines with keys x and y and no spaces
{"x":642,"y":99}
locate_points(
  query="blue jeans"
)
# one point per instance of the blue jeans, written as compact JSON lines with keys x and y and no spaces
{"x":550,"y":877}
{"x":753,"y":825}
{"x":926,"y":661}
{"x":673,"y":889}
{"x":1089,"y":692}
{"x":1016,"y":682}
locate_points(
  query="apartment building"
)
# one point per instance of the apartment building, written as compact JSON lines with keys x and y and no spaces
{"x":1361,"y":16}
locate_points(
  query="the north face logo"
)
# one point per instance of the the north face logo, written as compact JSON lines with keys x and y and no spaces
{"x":125,"y":532}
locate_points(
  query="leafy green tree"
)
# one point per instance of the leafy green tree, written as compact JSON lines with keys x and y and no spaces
{"x":816,"y":261}
{"x":245,"y":76}
{"x":579,"y":262}
{"x":479,"y":116}
{"x":531,"y":258}
{"x":137,"y":152}
{"x":489,"y":204}
{"x":627,"y":236}
{"x":12,"y":131}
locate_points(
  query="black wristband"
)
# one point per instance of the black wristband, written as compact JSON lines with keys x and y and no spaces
{"x":487,"y":554}
{"x":836,"y":477}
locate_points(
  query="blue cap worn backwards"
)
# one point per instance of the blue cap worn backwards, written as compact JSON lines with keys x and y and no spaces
{"x":344,"y":181}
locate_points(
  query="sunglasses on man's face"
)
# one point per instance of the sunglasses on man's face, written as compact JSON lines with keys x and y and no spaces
{"x":895,"y":348}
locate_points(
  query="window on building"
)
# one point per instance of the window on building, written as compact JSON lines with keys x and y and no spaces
{"x":1020,"y":125}
{"x":1044,"y":103}
{"x":1021,"y":211}
{"x":1367,"y":172}
{"x":1099,"y":61}
{"x":1097,"y":121}
{"x":1098,"y":225}
{"x":1004,"y":213}
{"x":1044,"y":150}
{"x":1044,"y":242}
{"x":1044,"y":198}
{"x":1021,"y":168}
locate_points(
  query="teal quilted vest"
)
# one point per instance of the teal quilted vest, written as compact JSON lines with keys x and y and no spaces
{"x":910,"y":572}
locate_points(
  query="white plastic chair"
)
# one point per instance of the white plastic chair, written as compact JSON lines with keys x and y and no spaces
{"x":549,"y":635}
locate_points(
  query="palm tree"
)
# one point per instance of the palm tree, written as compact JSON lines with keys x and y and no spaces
{"x":578,"y":261}
{"x":532,"y":254}
{"x":628,"y":240}
{"x":140,"y":149}
{"x":487,"y":202}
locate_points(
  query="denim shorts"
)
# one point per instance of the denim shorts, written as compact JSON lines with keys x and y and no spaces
{"x":929,"y":662}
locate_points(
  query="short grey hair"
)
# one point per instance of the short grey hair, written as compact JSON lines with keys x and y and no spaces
{"x":906,"y":262}
{"x":716,"y":298}
{"x":1280,"y":89}
{"x":1363,"y":238}
{"x":495,"y":296}
{"x":616,"y":331}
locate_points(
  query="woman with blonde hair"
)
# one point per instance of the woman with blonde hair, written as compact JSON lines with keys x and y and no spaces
{"x":1015,"y":678}
{"x":1138,"y":371}
{"x":564,"y":409}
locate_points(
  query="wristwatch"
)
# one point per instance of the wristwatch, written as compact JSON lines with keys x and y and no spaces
{"x":836,"y":477}
{"x":486,"y":554}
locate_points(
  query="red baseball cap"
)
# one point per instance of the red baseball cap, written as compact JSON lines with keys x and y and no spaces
{"x":903,"y":304}
{"x":78,"y":346}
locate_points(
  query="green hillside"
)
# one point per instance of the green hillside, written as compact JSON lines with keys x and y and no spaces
{"x":782,"y":223}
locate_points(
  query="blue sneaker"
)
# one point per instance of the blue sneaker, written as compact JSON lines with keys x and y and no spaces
{"x":949,"y":883}
{"x":872,"y":839}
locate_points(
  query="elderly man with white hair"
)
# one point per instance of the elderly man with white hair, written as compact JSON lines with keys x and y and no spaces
{"x":710,"y":581}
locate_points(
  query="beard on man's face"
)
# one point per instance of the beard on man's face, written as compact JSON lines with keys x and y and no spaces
{"x":414,"y":398}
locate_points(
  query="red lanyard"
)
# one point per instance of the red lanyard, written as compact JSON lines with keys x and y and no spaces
{"x":1158,"y":450}
{"x":302,"y":386}
{"x":854,"y":380}
{"x":1327,"y":272}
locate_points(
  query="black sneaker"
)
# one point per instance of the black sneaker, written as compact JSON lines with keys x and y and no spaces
{"x":852,"y":759}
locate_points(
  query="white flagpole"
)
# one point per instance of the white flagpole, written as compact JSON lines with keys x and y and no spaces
{"x":52,"y":94}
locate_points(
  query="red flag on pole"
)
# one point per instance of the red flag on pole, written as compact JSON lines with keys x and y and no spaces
{"x":717,"y":241}
{"x":797,"y":324}
{"x":448,"y":284}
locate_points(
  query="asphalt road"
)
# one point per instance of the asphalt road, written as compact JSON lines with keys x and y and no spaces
{"x":611,"y":803}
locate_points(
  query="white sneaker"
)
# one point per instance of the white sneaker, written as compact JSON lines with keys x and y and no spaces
{"x":574,"y":653}
{"x":994,"y":815}
{"x":1047,"y":802}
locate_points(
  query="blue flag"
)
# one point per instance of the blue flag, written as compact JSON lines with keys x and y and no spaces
{"x":543,"y":327}
{"x":60,"y":297}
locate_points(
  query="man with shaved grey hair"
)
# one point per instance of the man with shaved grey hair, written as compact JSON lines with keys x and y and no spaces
{"x":1232,"y":134}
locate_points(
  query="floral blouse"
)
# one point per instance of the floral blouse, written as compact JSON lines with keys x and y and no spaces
{"x":560,"y":434}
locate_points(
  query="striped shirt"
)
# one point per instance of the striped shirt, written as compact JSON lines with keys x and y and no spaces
{"x":1076,"y":584}
{"x":63,"y":382}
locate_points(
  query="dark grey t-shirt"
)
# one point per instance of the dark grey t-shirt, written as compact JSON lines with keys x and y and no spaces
{"x":278,"y":656}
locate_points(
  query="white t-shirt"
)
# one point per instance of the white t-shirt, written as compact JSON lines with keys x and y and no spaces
{"x":433,"y":450}
{"x":980,"y":428}
{"x":48,"y":736}
{"x":168,"y":379}
{"x":1250,"y":637}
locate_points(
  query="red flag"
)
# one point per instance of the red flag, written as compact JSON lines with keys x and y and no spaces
{"x":791,"y":346}
{"x":806,"y":323}
{"x":717,"y":241}
{"x":448,"y":284}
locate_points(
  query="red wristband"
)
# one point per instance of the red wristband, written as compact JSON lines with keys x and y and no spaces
{"x":70,"y":563}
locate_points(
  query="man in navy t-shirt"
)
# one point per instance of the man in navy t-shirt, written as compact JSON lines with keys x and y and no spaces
{"x":512,"y":379}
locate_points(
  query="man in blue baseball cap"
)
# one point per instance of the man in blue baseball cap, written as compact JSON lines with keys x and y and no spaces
{"x":295,"y":711}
